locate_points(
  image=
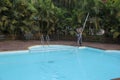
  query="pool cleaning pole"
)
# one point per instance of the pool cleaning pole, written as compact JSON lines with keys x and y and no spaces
{"x":85,"y":22}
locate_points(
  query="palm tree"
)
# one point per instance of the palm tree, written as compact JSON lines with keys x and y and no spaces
{"x":5,"y":15}
{"x":109,"y":14}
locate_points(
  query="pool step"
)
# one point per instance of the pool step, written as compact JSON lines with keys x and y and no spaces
{"x":50,"y":50}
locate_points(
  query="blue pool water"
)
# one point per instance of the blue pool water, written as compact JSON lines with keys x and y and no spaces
{"x":60,"y":62}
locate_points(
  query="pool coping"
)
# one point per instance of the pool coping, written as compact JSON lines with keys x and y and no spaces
{"x":80,"y":47}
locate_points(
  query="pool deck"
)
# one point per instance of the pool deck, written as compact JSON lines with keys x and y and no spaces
{"x":23,"y":45}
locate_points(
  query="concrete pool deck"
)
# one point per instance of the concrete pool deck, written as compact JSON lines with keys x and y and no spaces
{"x":23,"y":45}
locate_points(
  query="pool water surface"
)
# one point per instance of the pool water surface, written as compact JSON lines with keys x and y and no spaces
{"x":60,"y":62}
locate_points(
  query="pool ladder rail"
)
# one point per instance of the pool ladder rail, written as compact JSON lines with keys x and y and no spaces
{"x":43,"y":39}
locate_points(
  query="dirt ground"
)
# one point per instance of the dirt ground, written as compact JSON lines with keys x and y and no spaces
{"x":23,"y":45}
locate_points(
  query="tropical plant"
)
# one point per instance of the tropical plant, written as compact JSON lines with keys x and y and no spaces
{"x":19,"y":17}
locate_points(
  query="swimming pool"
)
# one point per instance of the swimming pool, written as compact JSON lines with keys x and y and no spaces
{"x":60,"y":62}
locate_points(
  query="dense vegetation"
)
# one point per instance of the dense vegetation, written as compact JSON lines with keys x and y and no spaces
{"x":59,"y":17}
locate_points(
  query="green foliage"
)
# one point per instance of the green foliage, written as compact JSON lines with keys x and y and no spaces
{"x":52,"y":16}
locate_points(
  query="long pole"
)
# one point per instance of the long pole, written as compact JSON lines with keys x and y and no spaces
{"x":85,"y":22}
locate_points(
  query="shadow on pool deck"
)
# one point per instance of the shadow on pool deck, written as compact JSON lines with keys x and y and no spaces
{"x":23,"y":45}
{"x":116,"y":79}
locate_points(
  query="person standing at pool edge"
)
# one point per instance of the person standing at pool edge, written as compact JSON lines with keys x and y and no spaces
{"x":79,"y":36}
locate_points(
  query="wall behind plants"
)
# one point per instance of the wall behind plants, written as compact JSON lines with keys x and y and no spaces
{"x":32,"y":18}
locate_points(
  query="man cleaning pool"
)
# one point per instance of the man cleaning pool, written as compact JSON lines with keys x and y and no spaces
{"x":79,"y":36}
